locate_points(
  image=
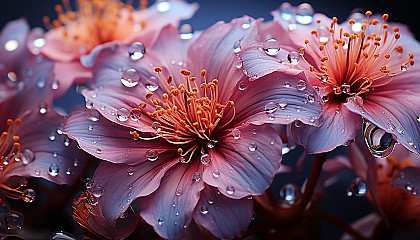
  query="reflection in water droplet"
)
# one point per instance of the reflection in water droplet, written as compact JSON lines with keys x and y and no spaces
{"x":286,"y":11}
{"x":270,"y":107}
{"x":246,"y":24}
{"x":136,"y":50}
{"x":204,"y":209}
{"x":23,"y":182}
{"x":28,"y":195}
{"x":130,"y":77}
{"x":230,"y":189}
{"x":357,"y":188}
{"x":94,"y":116}
{"x":379,"y":142}
{"x":14,"y":220}
{"x":196,"y":177}
{"x":237,"y":46}
{"x":123,"y":114}
{"x":186,"y":31}
{"x":304,"y":13}
{"x":152,"y":155}
{"x":289,"y":194}
{"x":241,"y":85}
{"x":160,"y":221}
{"x":311,"y":98}
{"x":205,"y":159}
{"x":53,"y":169}
{"x":293,"y":57}
{"x":27,"y":156}
{"x":163,"y":7}
{"x":271,"y":47}
{"x":236,"y":133}
{"x":301,"y":85}
{"x":252,"y":147}
{"x":130,"y":171}
{"x":151,"y":84}
{"x":43,"y":108}
{"x":216,"y":173}
{"x":89,"y":104}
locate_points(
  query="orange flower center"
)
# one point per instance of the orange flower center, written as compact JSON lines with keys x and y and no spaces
{"x":352,"y":63}
{"x":188,"y":114}
{"x":95,"y":22}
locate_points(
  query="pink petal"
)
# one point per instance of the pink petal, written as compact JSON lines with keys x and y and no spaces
{"x":40,"y":134}
{"x":244,"y":166}
{"x":396,"y":112}
{"x":54,"y":47}
{"x":290,"y":97}
{"x":170,"y":208}
{"x":68,"y":73}
{"x":121,"y":184}
{"x":109,"y":141}
{"x":339,"y":126}
{"x":13,"y":36}
{"x":222,"y":216}
{"x":219,"y":59}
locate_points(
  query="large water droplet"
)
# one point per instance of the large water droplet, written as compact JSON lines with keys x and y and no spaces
{"x":301,"y":85}
{"x":27,"y":156}
{"x":304,"y":13}
{"x":323,"y":33}
{"x":89,"y":183}
{"x":11,"y":45}
{"x":186,"y":31}
{"x":54,"y":169}
{"x":282,"y":103}
{"x":98,"y":191}
{"x":246,"y":23}
{"x":252,"y":147}
{"x":130,"y":77}
{"x":216,"y":173}
{"x":196,"y":177}
{"x":286,"y":11}
{"x":135,"y":115}
{"x":28,"y":195}
{"x":289,"y":194}
{"x":205,"y":159}
{"x":237,"y":46}
{"x":152,"y":84}
{"x":14,"y":220}
{"x":136,"y":50}
{"x":241,"y":85}
{"x":230,"y":189}
{"x":271,"y":47}
{"x":270,"y":107}
{"x":123,"y":114}
{"x":89,"y":104}
{"x":357,"y":188}
{"x":379,"y":142}
{"x":324,"y":78}
{"x":152,"y":155}
{"x":204,"y":209}
{"x":236,"y":133}
{"x":293,"y":57}
{"x":358,"y":18}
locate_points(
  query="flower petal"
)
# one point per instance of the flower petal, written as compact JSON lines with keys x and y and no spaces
{"x":170,"y":208}
{"x":339,"y":126}
{"x":396,"y":111}
{"x":222,"y":216}
{"x":290,"y":97}
{"x":365,"y":226}
{"x":244,"y":166}
{"x":13,"y":44}
{"x":408,"y":179}
{"x":109,"y":141}
{"x":69,"y":73}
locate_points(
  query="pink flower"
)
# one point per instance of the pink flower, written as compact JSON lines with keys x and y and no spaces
{"x":358,"y":74}
{"x":77,"y":32}
{"x":31,"y":142}
{"x":191,"y":144}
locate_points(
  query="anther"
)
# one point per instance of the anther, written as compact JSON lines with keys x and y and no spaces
{"x":368,"y":13}
{"x":203,"y":72}
{"x":185,"y":72}
{"x":395,"y":29}
{"x":169,"y":79}
{"x":385,"y":17}
{"x":149,"y":95}
{"x":158,"y":69}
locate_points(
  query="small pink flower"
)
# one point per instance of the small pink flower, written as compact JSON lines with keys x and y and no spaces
{"x":359,"y":74}
{"x":77,"y":32}
{"x":191,"y":144}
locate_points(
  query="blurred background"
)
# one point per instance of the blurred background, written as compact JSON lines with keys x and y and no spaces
{"x":45,"y":221}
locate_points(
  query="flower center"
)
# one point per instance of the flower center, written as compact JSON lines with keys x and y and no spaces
{"x":352,"y":63}
{"x":95,"y":22}
{"x":188,"y":114}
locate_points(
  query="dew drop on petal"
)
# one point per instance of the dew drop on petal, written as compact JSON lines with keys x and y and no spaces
{"x":89,"y":183}
{"x":301,"y":85}
{"x":23,"y":182}
{"x":252,"y":147}
{"x":286,"y":11}
{"x":216,"y":173}
{"x":289,"y":194}
{"x":94,"y":116}
{"x":236,"y":133}
{"x":358,"y":188}
{"x":27,"y":156}
{"x":152,"y":155}
{"x":178,"y":193}
{"x":136,"y":50}
{"x":89,"y":104}
{"x":157,"y":126}
{"x":211,"y":144}
{"x":418,"y":117}
{"x":151,"y":84}
{"x":241,"y":85}
{"x":286,"y":84}
{"x":163,"y":7}
{"x":123,"y":114}
{"x":237,"y":46}
{"x":271,"y":47}
{"x":293,"y":57}
{"x":68,"y":171}
{"x":28,"y":195}
{"x":324,"y":77}
{"x":325,"y":98}
{"x":98,"y":150}
{"x":205,"y":159}
{"x":204,"y":209}
{"x":196,"y":177}
{"x":14,"y":220}
{"x":379,"y":142}
{"x":134,"y":115}
{"x":98,"y":192}
{"x":345,"y":88}
{"x":160,"y":221}
{"x":11,"y":45}
{"x":403,"y":68}
{"x":52,"y":136}
{"x":53,"y":170}
{"x":130,"y":171}
{"x":246,"y":24}
{"x":270,"y":107}
{"x":230,"y":189}
{"x":130,"y":77}
{"x":43,"y":108}
{"x":186,"y":31}
{"x":311,"y":98}
{"x":304,"y":13}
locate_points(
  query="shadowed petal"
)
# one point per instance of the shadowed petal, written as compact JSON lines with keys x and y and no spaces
{"x":408,"y":179}
{"x":244,"y":166}
{"x":222,"y":216}
{"x":170,"y":208}
{"x":365,"y":226}
{"x":339,"y":125}
{"x":110,"y":141}
{"x":397,"y":112}
{"x":13,"y":44}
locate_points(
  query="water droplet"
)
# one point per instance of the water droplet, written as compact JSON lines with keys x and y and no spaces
{"x":324,"y":78}
{"x":204,"y":209}
{"x":282,"y":103}
{"x":14,"y":220}
{"x":68,"y":171}
{"x":94,"y":116}
{"x":135,"y":115}
{"x":211,"y":143}
{"x":52,"y":136}
{"x":304,"y":13}
{"x":37,"y":172}
{"x":345,"y":88}
{"x":43,"y":108}
{"x":311,"y":98}
{"x":27,"y":156}
{"x":130,"y":171}
{"x":293,"y":57}
{"x":55,"y":85}
{"x":323,"y":33}
{"x":157,"y":126}
{"x":418,"y":117}
{"x":286,"y":11}
{"x":123,"y":114}
{"x":271,"y":47}
{"x":98,"y":192}
{"x":90,"y":127}
{"x":23,"y":182}
{"x":358,"y":17}
{"x":163,"y":7}
{"x":252,"y":146}
{"x":230,"y":189}
{"x":67,"y":141}
{"x":28,"y":195}
{"x":130,"y":77}
{"x":152,"y":155}
{"x":89,"y":104}
{"x":289,"y":194}
{"x":286,"y":84}
{"x":403,"y":68}
{"x":178,"y":193}
{"x":216,"y":173}
{"x":205,"y":159}
{"x":53,"y":169}
{"x":301,"y":85}
{"x":186,"y":31}
{"x":98,"y":150}
{"x":11,"y":45}
{"x":152,"y":84}
{"x":379,"y":142}
{"x":136,"y":50}
{"x":270,"y":107}
{"x":237,"y":46}
{"x":236,"y":133}
{"x":357,"y":188}
{"x":196,"y":177}
{"x":241,"y":85}
{"x":41,"y":82}
{"x":325,"y":98}
{"x":246,"y":24}
{"x":160,"y":221}
{"x":89,"y":183}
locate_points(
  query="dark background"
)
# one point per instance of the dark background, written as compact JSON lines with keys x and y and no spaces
{"x":336,"y":201}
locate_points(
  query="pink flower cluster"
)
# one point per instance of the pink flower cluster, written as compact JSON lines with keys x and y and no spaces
{"x":185,"y":131}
